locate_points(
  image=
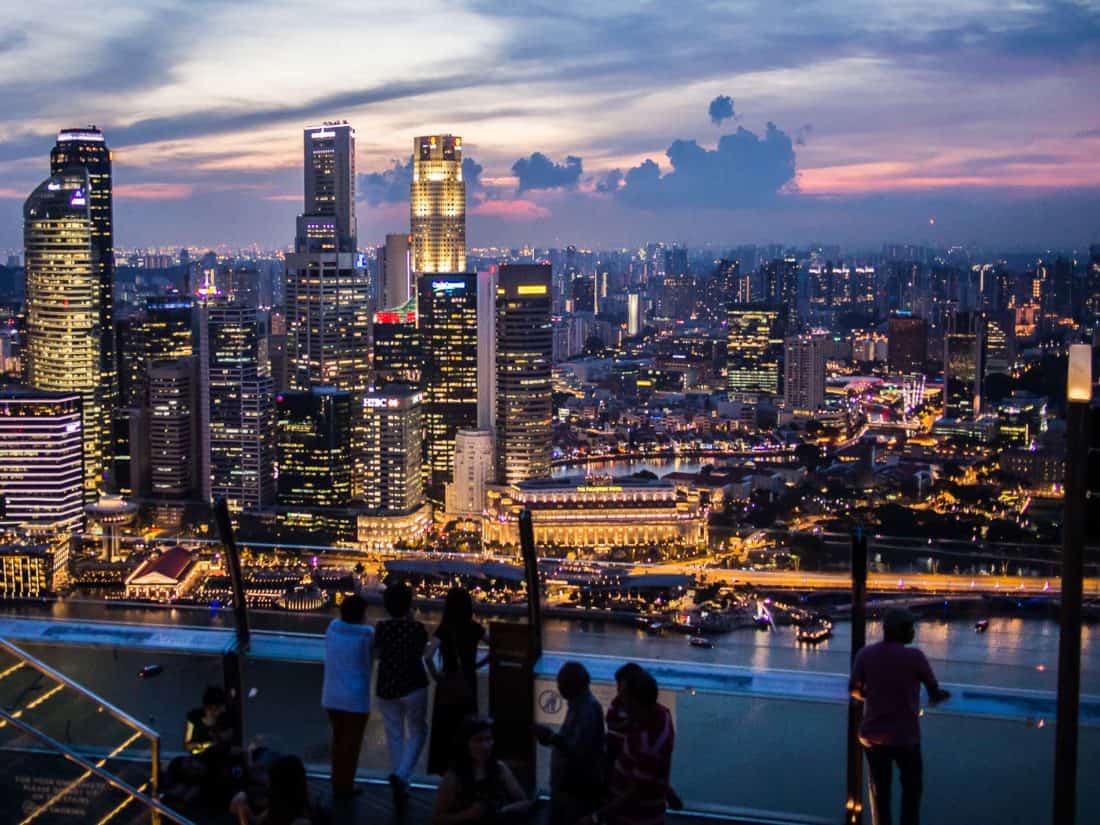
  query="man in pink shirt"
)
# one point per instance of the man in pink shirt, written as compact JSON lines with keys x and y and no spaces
{"x":887,"y":677}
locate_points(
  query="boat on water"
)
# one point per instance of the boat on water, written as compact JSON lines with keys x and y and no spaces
{"x":813,"y":632}
{"x":709,"y":620}
{"x":981,"y":626}
{"x":652,"y":627}
{"x":700,"y":641}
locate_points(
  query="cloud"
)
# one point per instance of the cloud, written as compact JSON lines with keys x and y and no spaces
{"x":803,"y":134}
{"x":154,"y":191}
{"x":1088,"y":133}
{"x":539,"y":172}
{"x":721,"y":108}
{"x":744,"y":170}
{"x":610,"y":182}
{"x":517,"y":210}
{"x":471,"y":174}
{"x":392,"y":185}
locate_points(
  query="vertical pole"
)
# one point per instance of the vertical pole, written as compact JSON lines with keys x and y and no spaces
{"x":1069,"y":641}
{"x":531,"y":575}
{"x":853,"y":809}
{"x":154,"y":777}
{"x":233,"y":568}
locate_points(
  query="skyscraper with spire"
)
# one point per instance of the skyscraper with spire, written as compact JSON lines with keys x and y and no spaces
{"x":437,"y":205}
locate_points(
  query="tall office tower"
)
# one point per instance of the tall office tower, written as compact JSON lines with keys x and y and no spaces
{"x":395,"y":270}
{"x":449,"y":335}
{"x":475,"y":468}
{"x":1092,"y":282}
{"x":999,"y":343}
{"x":727,"y":285}
{"x":437,"y":205}
{"x":753,"y":349}
{"x":41,"y":459}
{"x":804,"y":373}
{"x":163,"y":331}
{"x":236,"y":406}
{"x":907,"y":343}
{"x":173,"y":424}
{"x":329,"y":166}
{"x":313,"y":434}
{"x":633,"y":314}
{"x":781,"y":289}
{"x":87,"y":148}
{"x":963,"y":367}
{"x":394,"y":450}
{"x":524,"y":350}
{"x":64,"y":291}
{"x":398,"y":358}
{"x":487,"y":348}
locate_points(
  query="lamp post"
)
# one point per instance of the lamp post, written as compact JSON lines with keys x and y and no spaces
{"x":1078,"y":396}
{"x":853,"y":806}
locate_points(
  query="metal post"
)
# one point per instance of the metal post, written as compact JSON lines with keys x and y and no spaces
{"x":531,"y":574}
{"x":853,"y":808}
{"x":233,"y":568}
{"x":1069,"y":642}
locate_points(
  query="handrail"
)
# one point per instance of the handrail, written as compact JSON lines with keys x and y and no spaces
{"x":91,"y":767}
{"x":45,"y":669}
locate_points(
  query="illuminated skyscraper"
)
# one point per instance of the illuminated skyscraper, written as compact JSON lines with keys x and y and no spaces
{"x":41,"y":464}
{"x":753,"y":350}
{"x":394,"y":464}
{"x":449,"y":336}
{"x":524,"y":344}
{"x":633,"y":314}
{"x":437,"y":205}
{"x":395,"y":269}
{"x":173,"y":422}
{"x":236,"y":405}
{"x":64,"y":316}
{"x":963,"y":367}
{"x":329,"y":167}
{"x":397,"y":355}
{"x":313,"y":433}
{"x":474,"y":470}
{"x":907,"y":343}
{"x":86,"y":148}
{"x":804,"y":373}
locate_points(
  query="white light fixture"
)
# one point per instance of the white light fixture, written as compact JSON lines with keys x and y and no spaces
{"x":1079,"y":380}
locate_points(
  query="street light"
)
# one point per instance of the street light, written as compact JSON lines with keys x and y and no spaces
{"x":1078,"y":395}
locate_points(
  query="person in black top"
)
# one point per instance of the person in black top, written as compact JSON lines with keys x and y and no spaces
{"x":400,"y":644}
{"x":456,"y":640}
{"x":207,"y":726}
{"x":477,"y":787}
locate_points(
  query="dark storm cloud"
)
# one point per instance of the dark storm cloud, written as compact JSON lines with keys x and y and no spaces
{"x":721,"y":108}
{"x":610,"y":182}
{"x":539,"y":172}
{"x":803,"y":134}
{"x":391,"y":185}
{"x":744,"y":170}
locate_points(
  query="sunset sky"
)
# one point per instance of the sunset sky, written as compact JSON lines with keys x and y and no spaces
{"x":598,"y":123}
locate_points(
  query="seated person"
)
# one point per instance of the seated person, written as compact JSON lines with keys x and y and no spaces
{"x":209,"y":725}
{"x":478,"y":788}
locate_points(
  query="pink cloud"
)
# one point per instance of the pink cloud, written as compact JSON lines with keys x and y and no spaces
{"x":518,"y":209}
{"x":11,"y":192}
{"x":154,"y":191}
{"x":284,"y":197}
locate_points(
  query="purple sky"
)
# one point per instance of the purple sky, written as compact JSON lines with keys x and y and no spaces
{"x":602,"y":124}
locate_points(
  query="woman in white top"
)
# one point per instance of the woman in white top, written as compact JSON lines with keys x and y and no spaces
{"x":345,"y":695}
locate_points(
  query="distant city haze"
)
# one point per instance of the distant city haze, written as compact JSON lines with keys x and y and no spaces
{"x":594,"y":124}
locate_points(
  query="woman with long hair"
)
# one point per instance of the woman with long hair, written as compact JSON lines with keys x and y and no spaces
{"x":478,"y":788}
{"x":456,"y":640}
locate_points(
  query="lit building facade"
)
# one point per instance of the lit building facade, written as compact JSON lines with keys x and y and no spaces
{"x":449,"y":336}
{"x":26,"y":571}
{"x":804,"y":373}
{"x":173,"y":425}
{"x":237,"y":407}
{"x":397,"y":357}
{"x":329,"y":167}
{"x":963,"y":368}
{"x":907,"y":344}
{"x":393,"y":416}
{"x":474,"y":471}
{"x":313,"y":434}
{"x":524,"y":350}
{"x":395,"y":269}
{"x":41,"y":459}
{"x":752,"y":350}
{"x":437,"y":205}
{"x":64,"y":313}
{"x":582,"y":513}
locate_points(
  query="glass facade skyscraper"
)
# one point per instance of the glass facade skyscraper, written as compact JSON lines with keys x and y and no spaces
{"x":437,"y":205}
{"x":753,"y":350}
{"x":64,"y":314}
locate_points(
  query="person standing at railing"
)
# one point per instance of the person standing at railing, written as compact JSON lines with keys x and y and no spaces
{"x":887,"y":678}
{"x":345,"y":694}
{"x":402,"y":689}
{"x":577,"y":749}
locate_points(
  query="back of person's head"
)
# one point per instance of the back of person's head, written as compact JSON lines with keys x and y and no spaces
{"x":288,"y":791}
{"x":641,"y":688}
{"x":458,"y":608}
{"x":398,"y":599}
{"x":624,"y":672}
{"x":898,"y":626}
{"x":573,"y":679}
{"x":353,"y":608}
{"x":213,"y":697}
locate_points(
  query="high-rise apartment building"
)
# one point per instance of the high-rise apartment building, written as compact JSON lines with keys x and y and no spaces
{"x":804,"y":373}
{"x":753,"y":350}
{"x":394,"y":464}
{"x":172,"y":417}
{"x":524,"y":348}
{"x":236,"y":406}
{"x":963,"y":365}
{"x":907,"y":343}
{"x":449,"y":335}
{"x":64,"y":293}
{"x":41,"y":459}
{"x":437,"y":205}
{"x":397,"y":355}
{"x":86,"y":148}
{"x":395,"y":270}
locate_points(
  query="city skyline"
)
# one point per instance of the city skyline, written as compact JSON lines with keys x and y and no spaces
{"x":984,"y":129}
